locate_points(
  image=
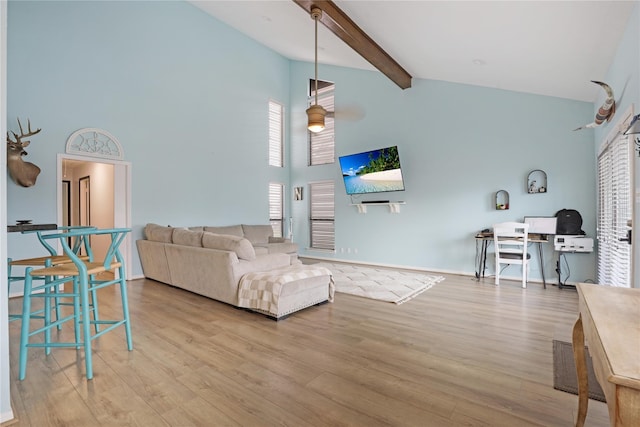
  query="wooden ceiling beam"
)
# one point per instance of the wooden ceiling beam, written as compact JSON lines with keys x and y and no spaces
{"x":348,"y":31}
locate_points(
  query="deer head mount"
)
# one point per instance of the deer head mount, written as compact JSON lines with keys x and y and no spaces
{"x":23,"y":173}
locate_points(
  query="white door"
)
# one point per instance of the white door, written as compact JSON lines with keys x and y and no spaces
{"x":615,"y":208}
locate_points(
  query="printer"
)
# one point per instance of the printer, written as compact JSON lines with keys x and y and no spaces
{"x":572,"y":243}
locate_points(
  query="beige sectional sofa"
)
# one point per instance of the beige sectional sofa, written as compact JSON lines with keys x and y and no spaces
{"x":211,"y":261}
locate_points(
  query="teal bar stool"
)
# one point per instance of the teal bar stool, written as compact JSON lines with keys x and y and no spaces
{"x":83,"y":274}
{"x":79,"y":243}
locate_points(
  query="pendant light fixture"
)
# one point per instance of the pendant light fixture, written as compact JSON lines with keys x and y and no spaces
{"x":316,"y":113}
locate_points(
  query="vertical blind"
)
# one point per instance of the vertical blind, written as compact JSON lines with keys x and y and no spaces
{"x":321,"y":144}
{"x":322,"y":220}
{"x":276,"y":208}
{"x":276,"y":134}
{"x":614,"y":210}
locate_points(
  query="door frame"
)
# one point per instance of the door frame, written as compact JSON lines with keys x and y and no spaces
{"x":84,"y":201}
{"x":121,"y":194}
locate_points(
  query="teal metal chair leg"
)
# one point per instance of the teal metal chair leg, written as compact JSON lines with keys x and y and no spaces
{"x":125,"y":307}
{"x":47,"y":318}
{"x":56,"y":300}
{"x":86,"y":323}
{"x":24,"y":332}
{"x":76,"y":309}
{"x":94,"y":303}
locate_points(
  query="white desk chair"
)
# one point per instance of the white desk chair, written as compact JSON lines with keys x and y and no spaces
{"x":510,"y":242}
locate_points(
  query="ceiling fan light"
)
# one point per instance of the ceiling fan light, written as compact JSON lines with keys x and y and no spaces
{"x":316,"y":114}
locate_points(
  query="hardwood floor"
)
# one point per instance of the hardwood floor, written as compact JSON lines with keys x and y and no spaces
{"x":463,"y":353}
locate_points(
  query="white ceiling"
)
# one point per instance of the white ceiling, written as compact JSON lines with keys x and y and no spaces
{"x":551,"y":48}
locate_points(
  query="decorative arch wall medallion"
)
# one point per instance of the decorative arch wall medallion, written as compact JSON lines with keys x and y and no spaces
{"x":94,"y":142}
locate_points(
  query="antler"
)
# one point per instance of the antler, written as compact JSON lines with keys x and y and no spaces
{"x":22,"y":134}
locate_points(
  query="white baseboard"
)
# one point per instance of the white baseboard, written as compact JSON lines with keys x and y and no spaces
{"x":6,"y":416}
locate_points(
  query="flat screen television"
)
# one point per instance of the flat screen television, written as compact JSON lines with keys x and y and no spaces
{"x":375,"y":171}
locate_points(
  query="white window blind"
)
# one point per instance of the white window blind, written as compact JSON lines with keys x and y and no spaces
{"x":322,"y":220}
{"x":321,"y":144}
{"x":614,"y":210}
{"x":276,"y":134}
{"x":276,"y":208}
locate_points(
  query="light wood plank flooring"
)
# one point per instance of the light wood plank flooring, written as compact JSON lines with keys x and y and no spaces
{"x":463,"y":353}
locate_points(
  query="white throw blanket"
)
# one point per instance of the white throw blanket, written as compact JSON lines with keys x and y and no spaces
{"x":261,"y":290}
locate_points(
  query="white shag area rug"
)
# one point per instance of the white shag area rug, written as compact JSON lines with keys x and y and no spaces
{"x":380,"y":284}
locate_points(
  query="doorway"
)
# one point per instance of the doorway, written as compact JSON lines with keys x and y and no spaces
{"x":99,"y":196}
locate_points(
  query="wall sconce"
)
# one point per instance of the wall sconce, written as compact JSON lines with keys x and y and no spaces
{"x":634,"y":129}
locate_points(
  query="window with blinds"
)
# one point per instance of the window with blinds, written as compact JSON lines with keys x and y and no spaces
{"x":321,"y":144}
{"x":276,"y":134}
{"x":614,"y":212}
{"x":276,"y":208}
{"x":322,"y":215}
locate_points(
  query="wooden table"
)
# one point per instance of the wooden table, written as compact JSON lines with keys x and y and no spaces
{"x":609,"y":319}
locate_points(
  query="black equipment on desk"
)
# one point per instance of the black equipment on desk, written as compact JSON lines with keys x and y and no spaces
{"x":569,"y":222}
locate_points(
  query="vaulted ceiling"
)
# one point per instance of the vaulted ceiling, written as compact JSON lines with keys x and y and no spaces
{"x":551,"y":48}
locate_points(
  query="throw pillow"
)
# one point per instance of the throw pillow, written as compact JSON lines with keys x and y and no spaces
{"x":158,"y":233}
{"x":257,"y":234}
{"x":241,"y":246}
{"x":183,"y":236}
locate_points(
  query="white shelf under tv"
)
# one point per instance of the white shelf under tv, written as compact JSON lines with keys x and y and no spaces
{"x":394,"y":207}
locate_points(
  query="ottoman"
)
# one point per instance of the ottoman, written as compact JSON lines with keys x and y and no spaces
{"x":278,"y":293}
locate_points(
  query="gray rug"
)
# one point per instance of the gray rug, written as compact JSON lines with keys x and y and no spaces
{"x":381,"y":284}
{"x":564,"y":371}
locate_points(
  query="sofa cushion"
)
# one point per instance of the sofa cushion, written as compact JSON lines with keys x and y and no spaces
{"x":185,"y":237}
{"x":158,"y":233}
{"x":232,"y":230}
{"x":241,"y":246}
{"x":261,"y":250}
{"x":257,"y":234}
{"x":285,"y":248}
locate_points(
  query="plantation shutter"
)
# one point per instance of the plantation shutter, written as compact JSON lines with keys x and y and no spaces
{"x":276,"y":134}
{"x":276,"y":208}
{"x":322,"y":221}
{"x":614,"y":212}
{"x":321,"y":144}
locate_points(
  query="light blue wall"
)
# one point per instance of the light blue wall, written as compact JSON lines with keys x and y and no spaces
{"x":458,"y":145}
{"x":185,"y":94}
